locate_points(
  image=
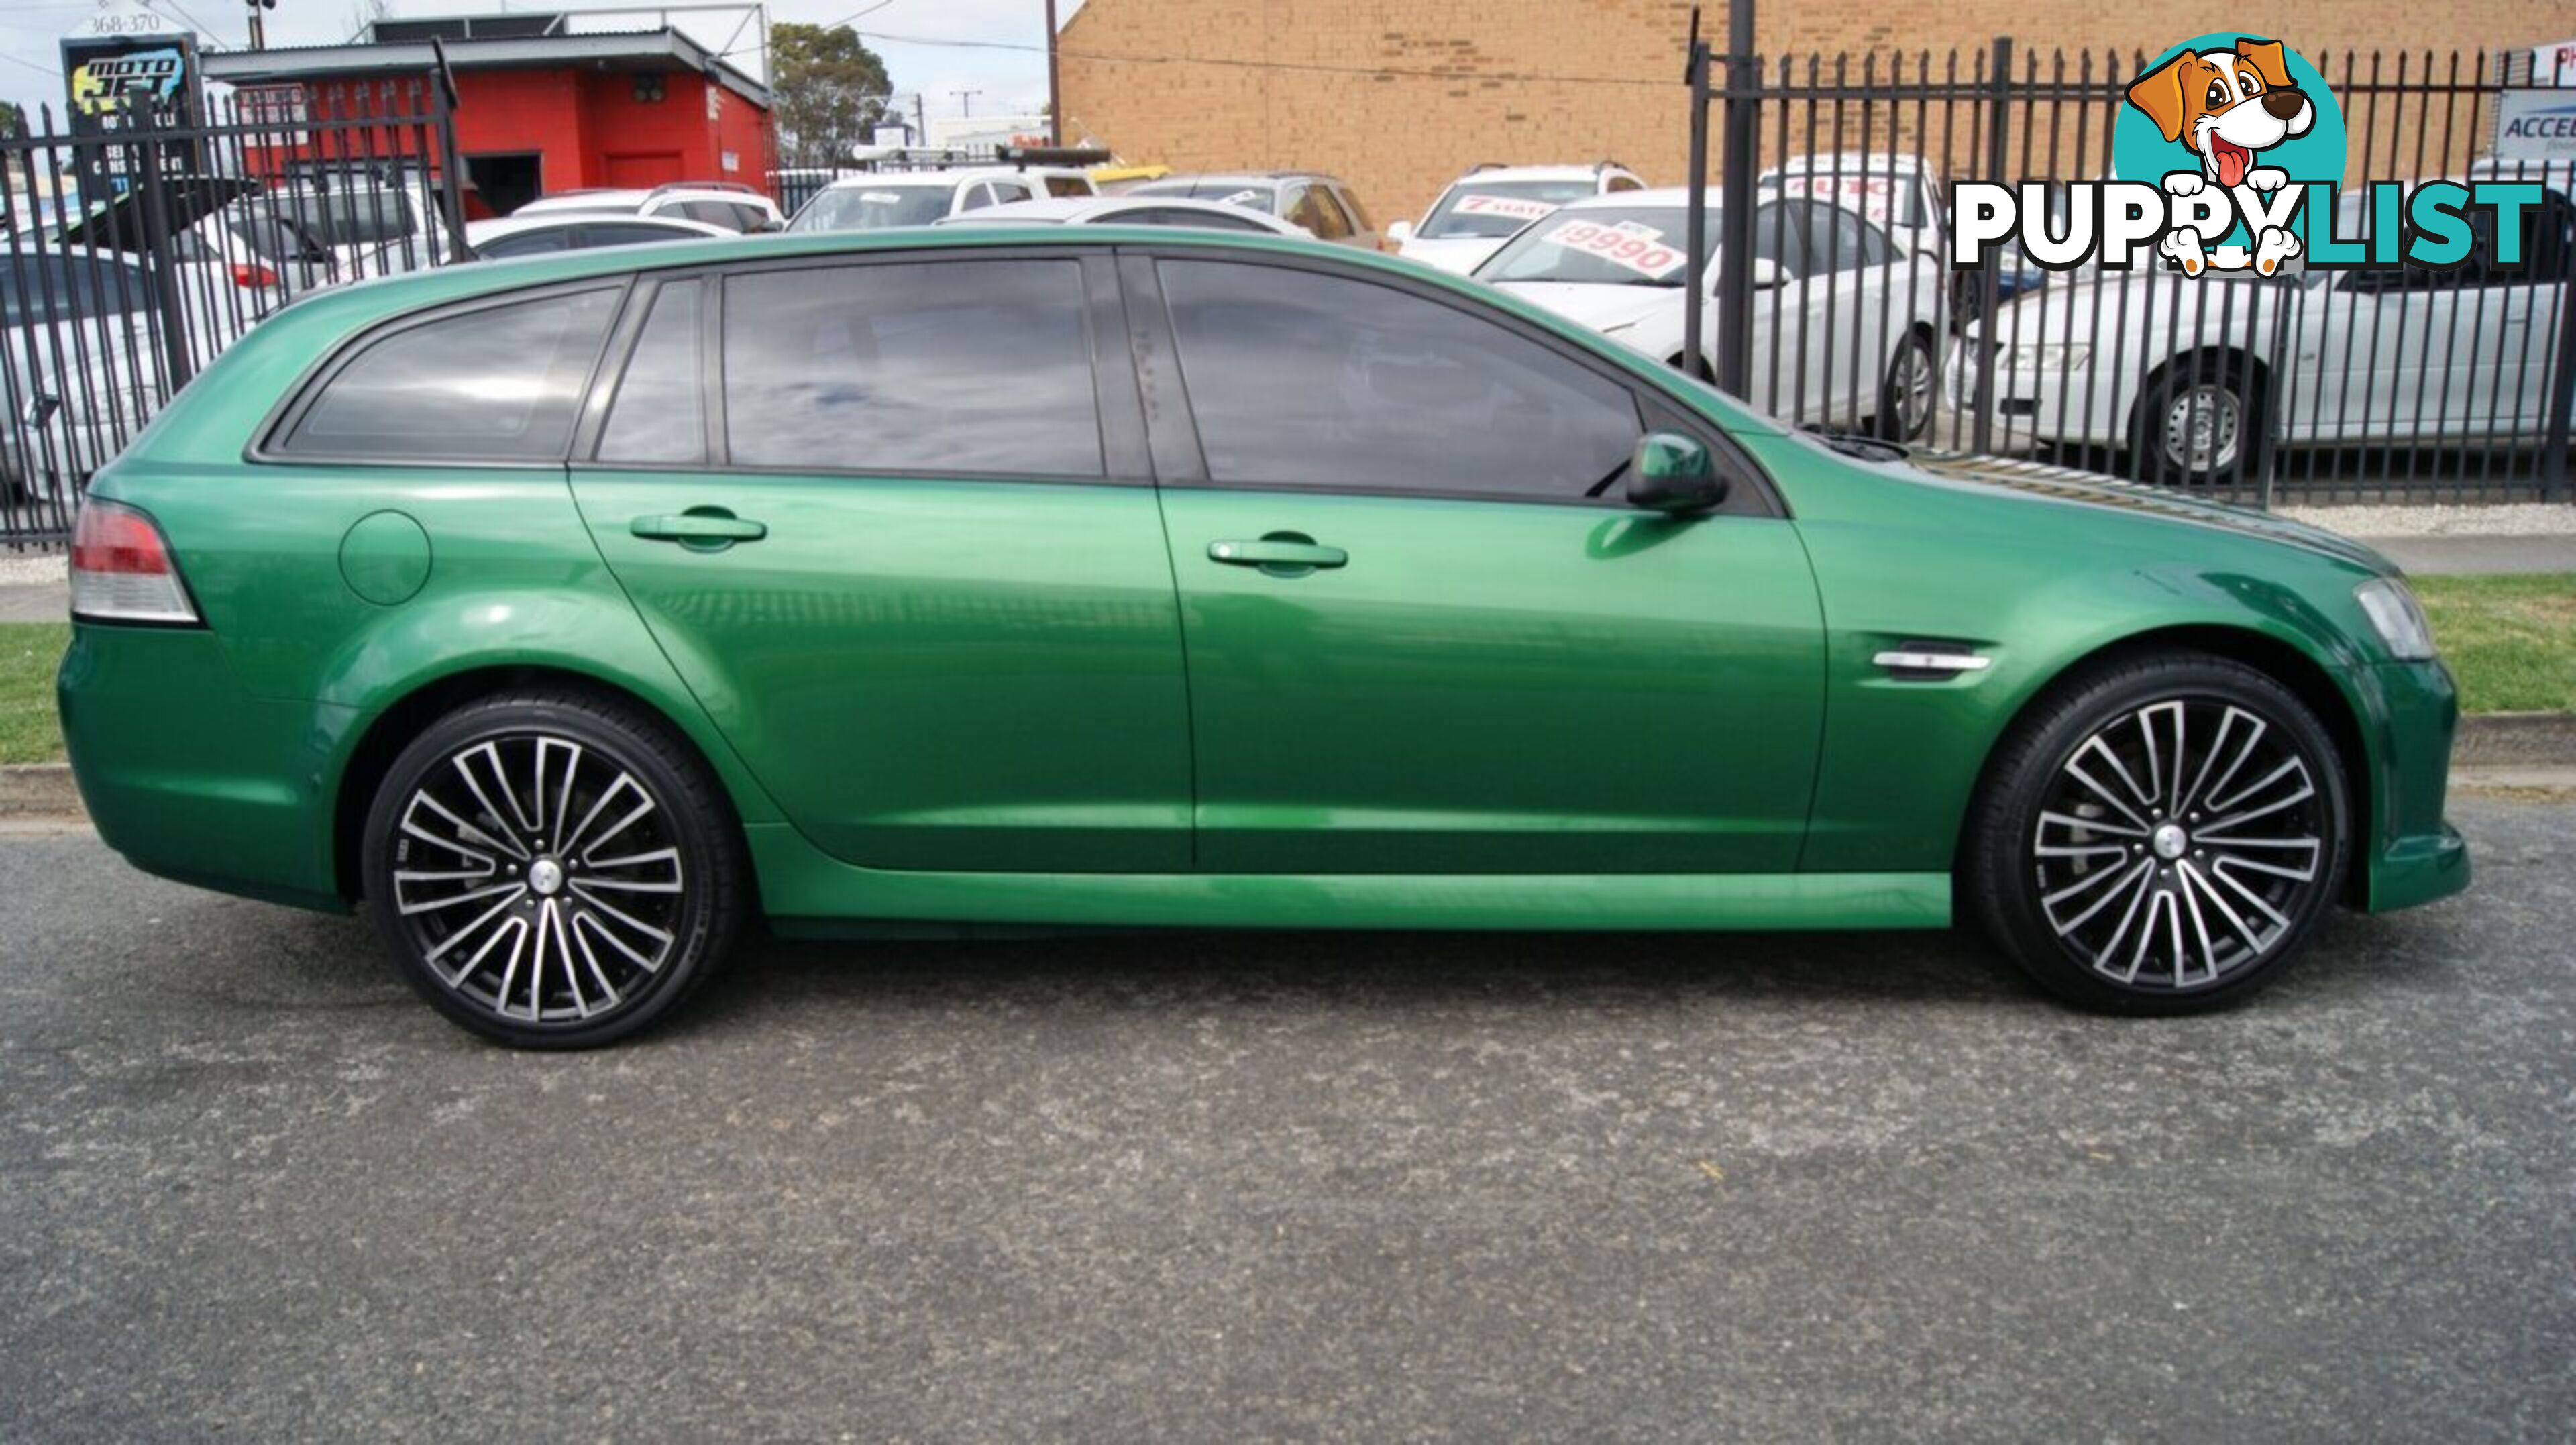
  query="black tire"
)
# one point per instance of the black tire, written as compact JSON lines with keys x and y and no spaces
{"x":1893,"y":422}
{"x":2051,"y":866}
{"x":1699,"y":370}
{"x":572,"y":769}
{"x":2216,"y":392}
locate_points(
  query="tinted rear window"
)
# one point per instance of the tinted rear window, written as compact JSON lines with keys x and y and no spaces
{"x":498,"y":383}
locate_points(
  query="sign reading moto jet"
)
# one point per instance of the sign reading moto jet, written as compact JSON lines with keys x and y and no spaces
{"x":2247,"y":147}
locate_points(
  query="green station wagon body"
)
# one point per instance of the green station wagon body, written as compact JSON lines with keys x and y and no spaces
{"x":965,"y":694}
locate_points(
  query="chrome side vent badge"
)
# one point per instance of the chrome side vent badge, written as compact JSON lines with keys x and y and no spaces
{"x":1931,"y":661}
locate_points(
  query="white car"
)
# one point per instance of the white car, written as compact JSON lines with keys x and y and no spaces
{"x":2179,"y":372}
{"x":1852,"y":315}
{"x":1125,"y":211}
{"x":723,"y":204}
{"x":1487,"y":206}
{"x":917,"y":198}
{"x":1319,"y":205}
{"x":552,"y":231}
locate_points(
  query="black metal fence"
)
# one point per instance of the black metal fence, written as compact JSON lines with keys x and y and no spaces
{"x":2303,"y":387}
{"x":134,"y":254}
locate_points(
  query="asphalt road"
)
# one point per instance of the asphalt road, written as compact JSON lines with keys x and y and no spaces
{"x":1366,"y":1187}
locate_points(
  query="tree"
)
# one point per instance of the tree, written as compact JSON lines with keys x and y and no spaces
{"x":13,"y":121}
{"x":828,"y":92}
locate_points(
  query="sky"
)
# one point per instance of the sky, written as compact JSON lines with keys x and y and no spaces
{"x":1008,"y":78}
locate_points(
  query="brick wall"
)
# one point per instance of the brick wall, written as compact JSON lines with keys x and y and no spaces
{"x":1457,"y":82}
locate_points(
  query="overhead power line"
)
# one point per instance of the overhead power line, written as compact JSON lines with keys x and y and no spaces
{"x":1303,"y":67}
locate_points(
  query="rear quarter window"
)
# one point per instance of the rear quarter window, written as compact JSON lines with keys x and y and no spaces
{"x":494,"y":383}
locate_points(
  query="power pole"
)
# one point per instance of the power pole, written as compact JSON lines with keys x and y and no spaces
{"x":966,"y":98}
{"x":1055,"y":86}
{"x":259,"y":22}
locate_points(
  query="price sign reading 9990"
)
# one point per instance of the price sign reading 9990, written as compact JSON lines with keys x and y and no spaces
{"x":1638,"y":248}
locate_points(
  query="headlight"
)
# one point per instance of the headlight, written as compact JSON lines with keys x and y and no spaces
{"x":2398,"y":616}
{"x":2045,"y":357}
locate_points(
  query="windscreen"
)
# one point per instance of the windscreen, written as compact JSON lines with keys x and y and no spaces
{"x":873,"y":207}
{"x":1601,"y":245}
{"x":1491,"y":210}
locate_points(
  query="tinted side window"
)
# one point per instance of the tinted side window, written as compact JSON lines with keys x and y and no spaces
{"x":1875,"y":248}
{"x":1173,"y":216}
{"x":660,"y":411}
{"x":1780,"y":237}
{"x":949,"y":366}
{"x":1302,"y":379}
{"x":526,"y":243}
{"x":1067,"y":186}
{"x":629,"y":234}
{"x":1622,"y":183}
{"x":978,"y":196}
{"x":498,"y":383}
{"x":1302,"y":210}
{"x":1833,"y":239}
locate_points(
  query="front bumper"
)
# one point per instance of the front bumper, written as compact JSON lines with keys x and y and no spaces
{"x":2415,"y":856}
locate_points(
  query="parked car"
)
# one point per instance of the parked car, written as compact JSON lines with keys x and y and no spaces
{"x":1319,"y":205}
{"x":917,"y":198}
{"x":523,"y":235}
{"x":726,"y":205}
{"x":85,"y":356}
{"x":2176,"y":371}
{"x":374,"y":225}
{"x":1904,"y":192}
{"x":1487,"y":206}
{"x":496,"y":601}
{"x":1125,"y":211}
{"x":1845,"y":322}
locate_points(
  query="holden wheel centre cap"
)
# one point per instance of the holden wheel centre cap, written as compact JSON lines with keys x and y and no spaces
{"x":2169,"y":841}
{"x":547,"y":876}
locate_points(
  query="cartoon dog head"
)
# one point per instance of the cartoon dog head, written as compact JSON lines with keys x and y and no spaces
{"x":2225,"y":105}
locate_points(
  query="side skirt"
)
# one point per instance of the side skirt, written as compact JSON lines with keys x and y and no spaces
{"x":806,"y":893}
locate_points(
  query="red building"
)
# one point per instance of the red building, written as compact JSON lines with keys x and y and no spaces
{"x":539,"y":109}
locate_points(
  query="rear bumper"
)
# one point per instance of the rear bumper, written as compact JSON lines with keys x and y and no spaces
{"x":192,"y":778}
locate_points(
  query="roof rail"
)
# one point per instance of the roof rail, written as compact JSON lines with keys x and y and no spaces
{"x":667,"y":186}
{"x":1486,"y":166}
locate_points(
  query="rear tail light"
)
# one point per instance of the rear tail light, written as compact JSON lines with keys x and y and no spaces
{"x":246,"y":274}
{"x":122,"y":570}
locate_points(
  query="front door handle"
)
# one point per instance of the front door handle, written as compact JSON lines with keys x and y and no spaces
{"x":1286,"y":552}
{"x":705,"y":527}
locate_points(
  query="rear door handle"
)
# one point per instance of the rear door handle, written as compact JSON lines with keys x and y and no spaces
{"x":707,"y":526}
{"x":1296,"y":553}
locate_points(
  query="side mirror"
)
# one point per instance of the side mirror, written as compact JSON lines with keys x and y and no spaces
{"x":1673,"y":474}
{"x":1399,"y":231}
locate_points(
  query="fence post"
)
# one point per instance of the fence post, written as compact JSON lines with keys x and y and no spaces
{"x":442,"y":90}
{"x":1989,"y":273}
{"x":1743,"y":141}
{"x":175,"y":347}
{"x":2562,"y":407}
{"x":1695,"y":215}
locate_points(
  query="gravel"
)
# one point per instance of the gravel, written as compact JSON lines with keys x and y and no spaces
{"x":32,"y":570}
{"x":2519,"y":519}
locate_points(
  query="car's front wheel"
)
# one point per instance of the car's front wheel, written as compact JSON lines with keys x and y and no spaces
{"x":552,"y":869}
{"x":1906,"y":396}
{"x":2200,"y":424}
{"x":2159,"y":835}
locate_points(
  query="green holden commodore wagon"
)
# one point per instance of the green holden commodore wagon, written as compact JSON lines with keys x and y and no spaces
{"x":575,"y":615}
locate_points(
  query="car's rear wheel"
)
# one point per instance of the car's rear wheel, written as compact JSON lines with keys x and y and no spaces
{"x":2160,"y":835}
{"x":552,"y":869}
